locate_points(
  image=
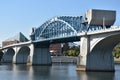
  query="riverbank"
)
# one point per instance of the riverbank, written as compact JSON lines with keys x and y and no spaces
{"x":70,"y":59}
{"x":64,"y":59}
{"x":117,"y":60}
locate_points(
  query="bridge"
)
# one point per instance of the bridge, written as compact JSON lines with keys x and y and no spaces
{"x":95,"y":32}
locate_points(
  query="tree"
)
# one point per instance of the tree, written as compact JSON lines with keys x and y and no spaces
{"x":73,"y":51}
{"x":66,"y":47}
{"x":116,"y":51}
{"x":65,"y":53}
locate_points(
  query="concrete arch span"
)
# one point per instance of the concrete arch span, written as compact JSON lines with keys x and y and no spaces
{"x":8,"y":55}
{"x":22,"y":56}
{"x":94,"y":40}
{"x":100,"y":57}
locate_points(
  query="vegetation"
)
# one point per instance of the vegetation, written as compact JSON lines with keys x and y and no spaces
{"x":116,"y":51}
{"x":73,"y":51}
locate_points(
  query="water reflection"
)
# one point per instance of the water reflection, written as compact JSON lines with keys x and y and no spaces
{"x":41,"y":72}
{"x":96,"y":75}
{"x":54,"y":72}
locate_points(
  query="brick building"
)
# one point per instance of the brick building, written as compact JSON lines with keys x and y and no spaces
{"x":55,"y":49}
{"x":5,"y":43}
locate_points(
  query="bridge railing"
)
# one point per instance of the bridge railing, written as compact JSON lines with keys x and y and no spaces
{"x":112,"y":29}
{"x":16,"y":44}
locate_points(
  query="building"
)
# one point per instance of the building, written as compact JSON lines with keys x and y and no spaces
{"x":55,"y":49}
{"x":5,"y":43}
{"x":15,"y":39}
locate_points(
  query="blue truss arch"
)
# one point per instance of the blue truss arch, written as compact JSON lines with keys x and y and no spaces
{"x":63,"y":26}
{"x":57,"y":28}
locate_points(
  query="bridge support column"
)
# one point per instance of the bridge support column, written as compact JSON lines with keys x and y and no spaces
{"x":40,"y":56}
{"x":98,"y":59}
{"x":84,"y":50}
{"x":14,"y":57}
{"x":30,"y":59}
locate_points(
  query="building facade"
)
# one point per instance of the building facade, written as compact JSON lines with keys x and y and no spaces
{"x":15,"y":39}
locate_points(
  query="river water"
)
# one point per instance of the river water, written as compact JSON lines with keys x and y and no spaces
{"x":55,"y":72}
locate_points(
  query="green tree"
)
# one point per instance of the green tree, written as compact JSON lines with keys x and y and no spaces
{"x":76,"y":49}
{"x":116,"y":51}
{"x":73,"y":51}
{"x":65,"y":53}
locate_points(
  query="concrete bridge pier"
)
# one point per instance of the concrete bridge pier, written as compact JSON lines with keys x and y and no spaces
{"x":98,"y":59}
{"x":14,"y":57}
{"x":84,"y":50}
{"x":40,"y":55}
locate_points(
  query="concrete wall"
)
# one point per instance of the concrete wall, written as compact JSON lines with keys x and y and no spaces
{"x":64,"y":59}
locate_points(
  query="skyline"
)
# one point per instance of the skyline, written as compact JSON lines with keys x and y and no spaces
{"x":20,"y":16}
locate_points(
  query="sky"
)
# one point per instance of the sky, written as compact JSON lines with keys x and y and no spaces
{"x":21,"y":15}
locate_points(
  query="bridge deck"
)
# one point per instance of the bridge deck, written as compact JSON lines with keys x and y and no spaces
{"x":113,"y":29}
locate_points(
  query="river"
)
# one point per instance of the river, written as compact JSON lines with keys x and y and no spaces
{"x":58,"y":71}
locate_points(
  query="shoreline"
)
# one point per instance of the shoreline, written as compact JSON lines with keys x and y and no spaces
{"x":70,"y":59}
{"x":117,"y":62}
{"x":64,"y":59}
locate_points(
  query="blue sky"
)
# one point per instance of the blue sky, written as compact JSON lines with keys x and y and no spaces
{"x":20,"y":15}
